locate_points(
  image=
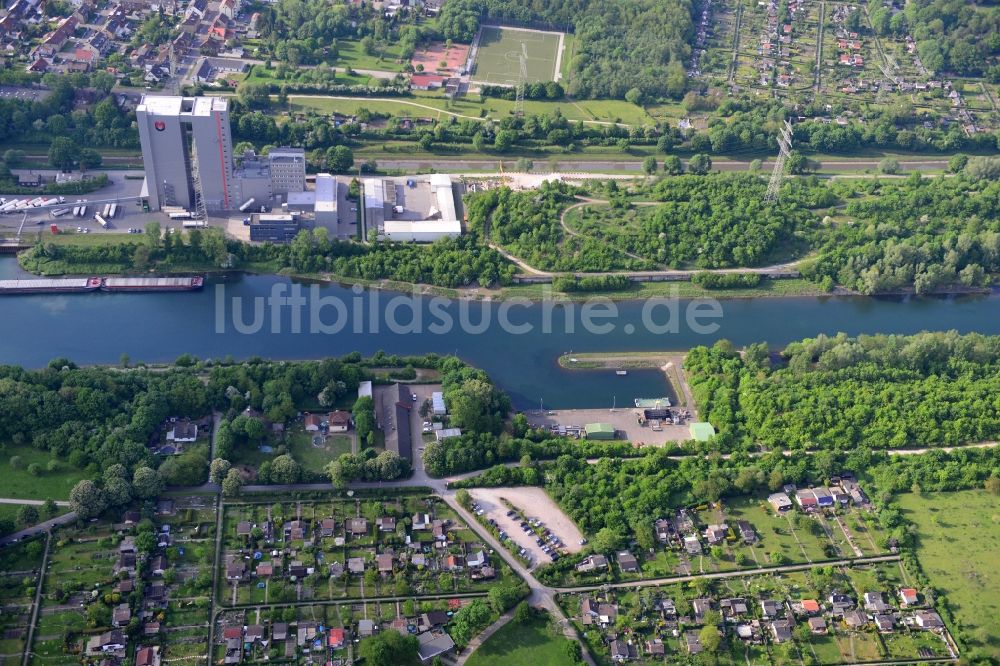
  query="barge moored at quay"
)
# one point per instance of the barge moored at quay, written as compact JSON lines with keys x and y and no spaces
{"x":110,"y":284}
{"x":50,"y":286}
{"x":189,"y":283}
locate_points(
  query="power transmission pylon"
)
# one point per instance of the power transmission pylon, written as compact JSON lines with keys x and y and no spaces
{"x":522,"y":81}
{"x":173,"y":86}
{"x":784,"y":150}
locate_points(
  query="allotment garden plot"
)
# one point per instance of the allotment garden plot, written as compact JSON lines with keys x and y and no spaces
{"x":829,"y":615}
{"x":323,"y":632}
{"x":498,"y":60}
{"x":353,"y":549}
{"x":19,"y":567}
{"x":142,"y":580}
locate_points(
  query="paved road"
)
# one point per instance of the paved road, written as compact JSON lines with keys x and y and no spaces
{"x":348,"y":600}
{"x":601,"y":165}
{"x":601,"y":168}
{"x":539,"y":595}
{"x":216,"y":565}
{"x":46,"y":526}
{"x":119,"y":190}
{"x":727,"y":574}
{"x":14,"y":500}
{"x":38,"y":601}
{"x":408,"y":102}
{"x":727,"y":456}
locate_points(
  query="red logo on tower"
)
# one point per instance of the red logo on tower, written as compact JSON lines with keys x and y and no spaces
{"x":160,"y":125}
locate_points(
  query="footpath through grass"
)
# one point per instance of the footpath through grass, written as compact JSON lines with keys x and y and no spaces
{"x":959,"y":550}
{"x":641,"y":290}
{"x":516,"y":643}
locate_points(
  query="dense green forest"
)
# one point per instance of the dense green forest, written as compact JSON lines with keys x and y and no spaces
{"x":527,"y":224}
{"x":621,"y":45}
{"x":869,"y":235}
{"x":696,"y":225}
{"x":840,"y":393}
{"x":56,"y":116}
{"x":850,"y":398}
{"x":925,"y":232}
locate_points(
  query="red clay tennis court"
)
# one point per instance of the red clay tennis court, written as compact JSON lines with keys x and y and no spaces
{"x":431,"y":57}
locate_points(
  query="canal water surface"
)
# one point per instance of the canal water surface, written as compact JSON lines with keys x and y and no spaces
{"x":521,"y":357}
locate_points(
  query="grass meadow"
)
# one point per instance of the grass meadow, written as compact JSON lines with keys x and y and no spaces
{"x":517,"y":643}
{"x":959,"y":550}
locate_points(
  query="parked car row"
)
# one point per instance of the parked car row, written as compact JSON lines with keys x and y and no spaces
{"x":502,"y":534}
{"x":544,"y":538}
{"x":504,"y":537}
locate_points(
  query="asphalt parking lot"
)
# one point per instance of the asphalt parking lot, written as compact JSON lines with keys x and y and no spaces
{"x":16,"y":92}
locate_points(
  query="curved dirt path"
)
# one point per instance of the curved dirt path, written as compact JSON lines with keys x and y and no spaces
{"x":770,"y":271}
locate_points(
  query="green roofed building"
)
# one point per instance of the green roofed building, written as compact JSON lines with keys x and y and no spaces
{"x":599,"y":431}
{"x":702,"y":431}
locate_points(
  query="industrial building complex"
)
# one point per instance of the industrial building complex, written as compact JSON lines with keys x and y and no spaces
{"x":186,"y":152}
{"x":411,"y":209}
{"x":187,"y":155}
{"x":190,"y":167}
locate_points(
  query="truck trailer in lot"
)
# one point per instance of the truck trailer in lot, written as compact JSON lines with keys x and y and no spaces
{"x":101,"y":220}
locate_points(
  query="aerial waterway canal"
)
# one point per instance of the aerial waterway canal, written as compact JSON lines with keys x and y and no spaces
{"x":99,"y":328}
